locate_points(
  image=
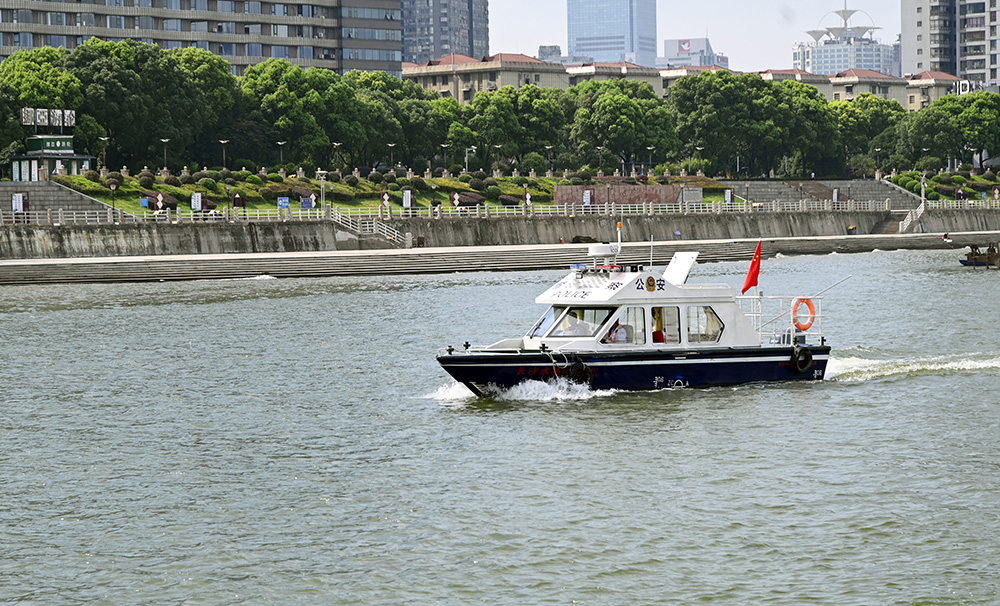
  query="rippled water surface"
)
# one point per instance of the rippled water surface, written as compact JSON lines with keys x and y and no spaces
{"x":294,"y":442}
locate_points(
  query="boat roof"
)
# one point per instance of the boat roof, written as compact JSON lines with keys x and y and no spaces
{"x":619,"y":285}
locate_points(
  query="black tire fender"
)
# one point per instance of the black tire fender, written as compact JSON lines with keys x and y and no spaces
{"x":802,"y":359}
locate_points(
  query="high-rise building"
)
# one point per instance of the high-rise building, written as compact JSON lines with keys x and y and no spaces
{"x":843,"y":47}
{"x":435,"y":28}
{"x":690,"y":51}
{"x":613,"y":31}
{"x":243,"y":32}
{"x":951,"y":36}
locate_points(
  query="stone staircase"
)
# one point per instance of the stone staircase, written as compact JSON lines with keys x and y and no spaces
{"x":765,"y":191}
{"x":48,"y":195}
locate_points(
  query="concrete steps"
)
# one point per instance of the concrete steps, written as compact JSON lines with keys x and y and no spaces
{"x":48,"y":195}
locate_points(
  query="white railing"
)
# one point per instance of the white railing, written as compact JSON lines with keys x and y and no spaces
{"x":360,"y":220}
{"x":775,"y":320}
{"x":912,"y":216}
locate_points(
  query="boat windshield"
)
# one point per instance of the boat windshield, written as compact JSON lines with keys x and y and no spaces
{"x":546,"y":321}
{"x":580,"y":321}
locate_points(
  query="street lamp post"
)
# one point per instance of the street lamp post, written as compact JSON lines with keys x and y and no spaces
{"x":114,"y":210}
{"x":165,"y":141}
{"x":104,"y":152}
{"x":444,"y":152}
{"x":223,"y":142}
{"x":600,"y":157}
{"x":473,"y":148}
{"x":878,"y":169}
{"x":548,"y":155}
{"x":392,"y":159}
{"x":650,"y":166}
{"x":281,"y":151}
{"x":497,"y":147}
{"x":699,"y":148}
{"x":321,"y":175}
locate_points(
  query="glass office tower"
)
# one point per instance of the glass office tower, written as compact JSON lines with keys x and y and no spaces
{"x":611,"y":31}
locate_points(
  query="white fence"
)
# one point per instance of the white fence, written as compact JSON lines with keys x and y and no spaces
{"x":371,"y":219}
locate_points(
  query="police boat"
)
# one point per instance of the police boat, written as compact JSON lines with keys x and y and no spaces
{"x":632,"y":328}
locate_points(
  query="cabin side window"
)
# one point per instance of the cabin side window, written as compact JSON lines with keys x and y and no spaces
{"x":628,"y":328}
{"x":667,"y":324}
{"x":704,"y":326}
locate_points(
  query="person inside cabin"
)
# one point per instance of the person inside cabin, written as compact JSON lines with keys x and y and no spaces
{"x":617,"y":334}
{"x":658,"y":325}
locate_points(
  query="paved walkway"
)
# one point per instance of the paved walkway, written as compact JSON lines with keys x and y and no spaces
{"x":444,"y":260}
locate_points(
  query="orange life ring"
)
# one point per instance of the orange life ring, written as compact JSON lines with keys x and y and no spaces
{"x":803,"y":326}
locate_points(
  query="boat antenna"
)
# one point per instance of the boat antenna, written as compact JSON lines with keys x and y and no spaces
{"x":651,"y":250}
{"x":619,"y":237}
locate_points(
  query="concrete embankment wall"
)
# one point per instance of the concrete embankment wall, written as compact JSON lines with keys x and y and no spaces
{"x":105,"y":240}
{"x":528,"y":230}
{"x":947,"y":220}
{"x":81,"y":241}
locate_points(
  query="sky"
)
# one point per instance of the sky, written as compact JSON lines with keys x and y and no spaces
{"x":755,"y":34}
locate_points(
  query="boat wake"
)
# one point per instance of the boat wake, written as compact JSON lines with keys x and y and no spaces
{"x":856,"y":369}
{"x":559,"y":390}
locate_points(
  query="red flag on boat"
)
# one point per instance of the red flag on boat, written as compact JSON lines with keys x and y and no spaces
{"x":751,"y":280}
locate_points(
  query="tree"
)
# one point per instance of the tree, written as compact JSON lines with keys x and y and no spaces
{"x":138,"y":93}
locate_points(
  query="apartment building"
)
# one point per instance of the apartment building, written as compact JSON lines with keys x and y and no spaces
{"x":461,"y":76}
{"x":435,"y":28}
{"x":341,"y":35}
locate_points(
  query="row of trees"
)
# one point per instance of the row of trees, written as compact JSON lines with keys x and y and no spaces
{"x":137,"y":94}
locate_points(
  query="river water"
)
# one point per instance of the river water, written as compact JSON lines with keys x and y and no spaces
{"x":294,"y":442}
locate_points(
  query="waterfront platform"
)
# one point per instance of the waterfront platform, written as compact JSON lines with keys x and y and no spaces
{"x":446,"y":259}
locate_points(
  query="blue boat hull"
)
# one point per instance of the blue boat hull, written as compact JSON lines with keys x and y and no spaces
{"x":973,"y":263}
{"x":484,"y":372}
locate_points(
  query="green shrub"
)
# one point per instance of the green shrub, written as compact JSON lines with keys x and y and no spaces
{"x":480,"y":174}
{"x":392,"y":186}
{"x":465,"y":178}
{"x":334,"y":176}
{"x":375,"y":177}
{"x":117,"y":176}
{"x":172,"y":181}
{"x":304,"y":179}
{"x":208,"y":183}
{"x":351,"y":180}
{"x":188,"y":179}
{"x":491,"y":182}
{"x":959,"y":179}
{"x":477,"y":184}
{"x":419,"y":184}
{"x":914,"y":186}
{"x":92,"y":175}
{"x":565,"y":182}
{"x":965,"y":167}
{"x":520,"y":180}
{"x":254,"y":180}
{"x":402,"y":181}
{"x":230,"y":181}
{"x":268,"y":193}
{"x":275,"y":178}
{"x":214,"y":175}
{"x":933,"y":195}
{"x":144,"y":173}
{"x":493,"y":192}
{"x":241,"y":175}
{"x":146,"y":181}
{"x":390,"y":177}
{"x":989,"y":175}
{"x":111,"y":182}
